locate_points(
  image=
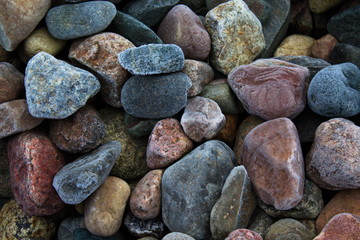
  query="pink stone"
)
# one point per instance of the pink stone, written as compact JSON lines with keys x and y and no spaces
{"x":323,"y":47}
{"x":11,"y":82}
{"x":243,"y":234}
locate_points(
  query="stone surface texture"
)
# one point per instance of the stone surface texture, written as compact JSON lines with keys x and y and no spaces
{"x":243,"y":234}
{"x":343,"y":52}
{"x":144,"y":228}
{"x":177,"y":236}
{"x":11,"y":82}
{"x":295,"y":44}
{"x":320,"y":6}
{"x":68,"y":226}
{"x":288,"y":228}
{"x":323,"y":47}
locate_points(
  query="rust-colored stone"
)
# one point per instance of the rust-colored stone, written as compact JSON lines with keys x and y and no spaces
{"x":228,"y":133}
{"x":323,"y":47}
{"x":11,"y":82}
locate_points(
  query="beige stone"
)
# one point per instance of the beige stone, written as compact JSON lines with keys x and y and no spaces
{"x":320,"y":6}
{"x":295,"y":45}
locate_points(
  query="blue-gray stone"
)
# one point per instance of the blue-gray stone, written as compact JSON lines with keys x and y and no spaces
{"x":84,"y":234}
{"x":80,"y":178}
{"x":191,"y":187}
{"x":72,"y":21}
{"x":68,"y":226}
{"x":56,"y":89}
{"x":152,"y":59}
{"x":343,"y":52}
{"x":158,"y":96}
{"x":335,"y":91}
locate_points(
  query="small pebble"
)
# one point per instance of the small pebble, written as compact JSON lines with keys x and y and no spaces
{"x":296,"y":44}
{"x":243,"y":234}
{"x":143,"y":228}
{"x":288,"y":228}
{"x":323,"y":47}
{"x":11,"y":82}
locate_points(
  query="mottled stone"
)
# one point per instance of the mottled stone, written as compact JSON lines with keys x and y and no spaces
{"x":260,"y":222}
{"x":99,"y":53}
{"x":68,"y":226}
{"x":235,"y":206}
{"x":227,"y":133}
{"x":5,"y":186}
{"x":11,"y":82}
{"x":142,"y":228}
{"x":177,"y":236}
{"x":72,"y":21}
{"x":295,"y":44}
{"x":270,"y":88}
{"x":344,"y":52}
{"x":139,"y":127}
{"x":225,"y":52}
{"x":288,"y":228}
{"x":323,"y":47}
{"x":320,"y":6}
{"x":243,"y":234}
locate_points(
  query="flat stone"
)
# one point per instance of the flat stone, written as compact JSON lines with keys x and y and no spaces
{"x":5,"y":184}
{"x":288,"y":228}
{"x":11,"y":82}
{"x":323,"y":47}
{"x":243,"y":234}
{"x":144,"y":228}
{"x":320,"y":6}
{"x":68,"y":226}
{"x":56,"y":89}
{"x":139,"y":127}
{"x":344,"y":52}
{"x":177,"y":236}
{"x":296,"y":44}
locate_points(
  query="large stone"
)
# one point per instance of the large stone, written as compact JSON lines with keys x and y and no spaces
{"x":11,"y":82}
{"x":243,"y":234}
{"x":344,"y":52}
{"x":288,"y":228}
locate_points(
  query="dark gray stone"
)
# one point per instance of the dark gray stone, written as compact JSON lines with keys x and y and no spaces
{"x":68,"y":226}
{"x":143,"y":228}
{"x":84,"y":234}
{"x":72,"y":21}
{"x":192,"y":185}
{"x":157,"y":96}
{"x":343,"y":52}
{"x":80,"y":178}
{"x":139,"y":127}
{"x":260,"y":222}
{"x":152,"y":59}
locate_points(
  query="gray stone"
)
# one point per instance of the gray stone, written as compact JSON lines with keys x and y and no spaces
{"x":68,"y":226}
{"x":343,"y":52}
{"x":84,"y":234}
{"x":260,"y":222}
{"x":141,"y":228}
{"x":177,"y":236}
{"x":139,"y":127}
{"x":288,"y":228}
{"x":11,"y":82}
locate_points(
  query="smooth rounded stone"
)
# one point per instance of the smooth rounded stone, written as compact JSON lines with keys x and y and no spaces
{"x":235,"y":206}
{"x":227,"y":133}
{"x":104,"y":209}
{"x":56,"y":89}
{"x":200,"y":74}
{"x":18,"y":19}
{"x":5,"y":185}
{"x":167,"y":144}
{"x":15,"y":118}
{"x":288,"y":228}
{"x":16,"y":224}
{"x":345,"y":26}
{"x":177,"y":236}
{"x":144,"y":228}
{"x":226,"y":53}
{"x":296,"y":44}
{"x":152,"y":59}
{"x":34,"y":161}
{"x":157,"y":96}
{"x":99,"y":53}
{"x":343,"y":226}
{"x":145,"y":199}
{"x":199,"y":175}
{"x":320,"y":6}
{"x":333,"y":161}
{"x":273,"y":158}
{"x":139,"y":127}
{"x":202,"y":119}
{"x":323,"y":47}
{"x":181,"y":26}
{"x":11,"y":82}
{"x":68,"y":226}
{"x":344,"y":52}
{"x":71,"y":21}
{"x":260,"y":222}
{"x":270,"y":88}
{"x":79,"y":179}
{"x":243,"y":234}
{"x":84,"y":234}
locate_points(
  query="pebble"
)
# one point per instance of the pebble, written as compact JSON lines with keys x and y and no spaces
{"x":273,"y":149}
{"x":18,"y":19}
{"x":79,"y":179}
{"x":226,"y":53}
{"x":152,"y":59}
{"x":181,"y":26}
{"x":144,"y":228}
{"x":288,"y":228}
{"x":243,"y":234}
{"x":194,"y":4}
{"x":260,"y":222}
{"x":235,"y":206}
{"x":5,"y":185}
{"x":320,"y":6}
{"x":202,"y":119}
{"x":167,"y":144}
{"x":71,"y":21}
{"x":164,"y":95}
{"x":177,"y":236}
{"x":344,"y":52}
{"x":147,"y":238}
{"x":227,"y":133}
{"x":296,"y":44}
{"x":84,"y":234}
{"x":99,"y":53}
{"x":11,"y":82}
{"x":139,"y":127}
{"x":68,"y":226}
{"x":323,"y":47}
{"x":56,"y":89}
{"x":270,"y":88}
{"x":262,"y":9}
{"x":198,"y":175}
{"x":104,"y":209}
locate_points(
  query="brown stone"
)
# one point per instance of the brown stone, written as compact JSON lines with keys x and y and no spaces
{"x":288,"y":228}
{"x":323,"y":47}
{"x":11,"y":82}
{"x":295,"y":45}
{"x":243,"y":234}
{"x":301,"y":18}
{"x":227,"y":133}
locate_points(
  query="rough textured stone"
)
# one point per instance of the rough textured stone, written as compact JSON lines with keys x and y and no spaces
{"x":323,"y":47}
{"x":141,"y":228}
{"x":56,"y":89}
{"x":199,"y":175}
{"x":5,"y":186}
{"x":177,"y":236}
{"x":139,"y":127}
{"x":273,"y":158}
{"x":344,"y":52}
{"x":260,"y":222}
{"x":270,"y":88}
{"x":11,"y":82}
{"x":99,"y":53}
{"x":320,"y":6}
{"x":18,"y":18}
{"x":295,"y":44}
{"x":227,"y":53}
{"x":80,"y":178}
{"x":288,"y":228}
{"x":68,"y":226}
{"x":235,"y":206}
{"x":202,"y":119}
{"x":243,"y":234}
{"x":72,"y":21}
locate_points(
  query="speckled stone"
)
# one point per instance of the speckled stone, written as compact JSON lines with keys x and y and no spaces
{"x":295,"y":44}
{"x":323,"y":47}
{"x":11,"y":82}
{"x":143,"y":228}
{"x":177,"y":236}
{"x":5,"y":186}
{"x":139,"y":127}
{"x":56,"y":89}
{"x":343,"y":52}
{"x":243,"y":234}
{"x":288,"y":228}
{"x":68,"y":226}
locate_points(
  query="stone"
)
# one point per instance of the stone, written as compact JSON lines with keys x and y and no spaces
{"x":145,"y":199}
{"x":243,"y":234}
{"x":99,"y":53}
{"x":227,"y":133}
{"x":199,"y":175}
{"x":16,"y":224}
{"x":68,"y":226}
{"x":5,"y":185}
{"x":147,"y":238}
{"x":79,"y":179}
{"x":56,"y":89}
{"x":345,"y":26}
{"x":11,"y":82}
{"x":341,"y":227}
{"x":152,"y":59}
{"x":296,"y":44}
{"x":164,"y":95}
{"x":210,"y":4}
{"x":235,"y":206}
{"x":273,"y":159}
{"x":323,"y":47}
{"x":167,"y":144}
{"x":75,"y":1}
{"x":226,"y":53}
{"x":143,"y":228}
{"x":84,"y":234}
{"x":260,"y":222}
{"x":310,"y":224}
{"x":202,"y":119}
{"x":71,"y":21}
{"x":15,"y":118}
{"x":34,"y":161}
{"x":333,"y":161}
{"x":177,"y":236}
{"x":200,"y":74}
{"x":288,"y":228}
{"x":139,"y":127}
{"x":104,"y":209}
{"x":344,"y":52}
{"x":302,"y":21}
{"x":181,"y":26}
{"x":81,"y":132}
{"x":318,"y":6}
{"x":270,"y":88}
{"x":18,"y":19}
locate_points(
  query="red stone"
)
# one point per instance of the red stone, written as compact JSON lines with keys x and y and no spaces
{"x":11,"y":82}
{"x":323,"y":47}
{"x":243,"y":234}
